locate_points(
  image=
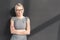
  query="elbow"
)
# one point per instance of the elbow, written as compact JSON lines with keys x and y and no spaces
{"x":28,"y":32}
{"x":13,"y":31}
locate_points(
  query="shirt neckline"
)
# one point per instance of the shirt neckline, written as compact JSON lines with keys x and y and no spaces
{"x":20,"y":18}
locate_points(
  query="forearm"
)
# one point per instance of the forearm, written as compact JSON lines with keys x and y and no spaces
{"x":21,"y":32}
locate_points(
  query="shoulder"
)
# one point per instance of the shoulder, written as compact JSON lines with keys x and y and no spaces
{"x":28,"y":19}
{"x":13,"y":18}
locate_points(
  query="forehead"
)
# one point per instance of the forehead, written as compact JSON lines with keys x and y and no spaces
{"x":19,"y":7}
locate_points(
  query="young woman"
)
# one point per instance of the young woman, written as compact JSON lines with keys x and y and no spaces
{"x":19,"y":25}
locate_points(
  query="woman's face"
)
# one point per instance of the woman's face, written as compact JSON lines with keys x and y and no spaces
{"x":19,"y":10}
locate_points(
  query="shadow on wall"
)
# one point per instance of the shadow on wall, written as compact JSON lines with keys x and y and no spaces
{"x":12,"y":12}
{"x":44,"y":25}
{"x":7,"y":30}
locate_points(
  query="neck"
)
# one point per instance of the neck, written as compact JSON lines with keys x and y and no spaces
{"x":19,"y":16}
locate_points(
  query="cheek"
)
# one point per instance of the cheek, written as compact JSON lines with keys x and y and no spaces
{"x":17,"y":12}
{"x":22,"y":11}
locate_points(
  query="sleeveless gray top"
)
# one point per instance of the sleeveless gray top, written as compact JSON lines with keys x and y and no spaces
{"x":19,"y":23}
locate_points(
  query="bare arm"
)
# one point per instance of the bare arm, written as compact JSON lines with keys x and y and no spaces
{"x":28,"y":26}
{"x":23,"y":31}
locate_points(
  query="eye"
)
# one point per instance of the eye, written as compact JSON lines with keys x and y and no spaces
{"x":19,"y":9}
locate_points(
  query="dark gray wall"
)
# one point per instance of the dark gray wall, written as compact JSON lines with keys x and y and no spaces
{"x":4,"y":18}
{"x":44,"y":15}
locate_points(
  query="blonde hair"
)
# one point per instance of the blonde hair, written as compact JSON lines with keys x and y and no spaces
{"x":18,"y":4}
